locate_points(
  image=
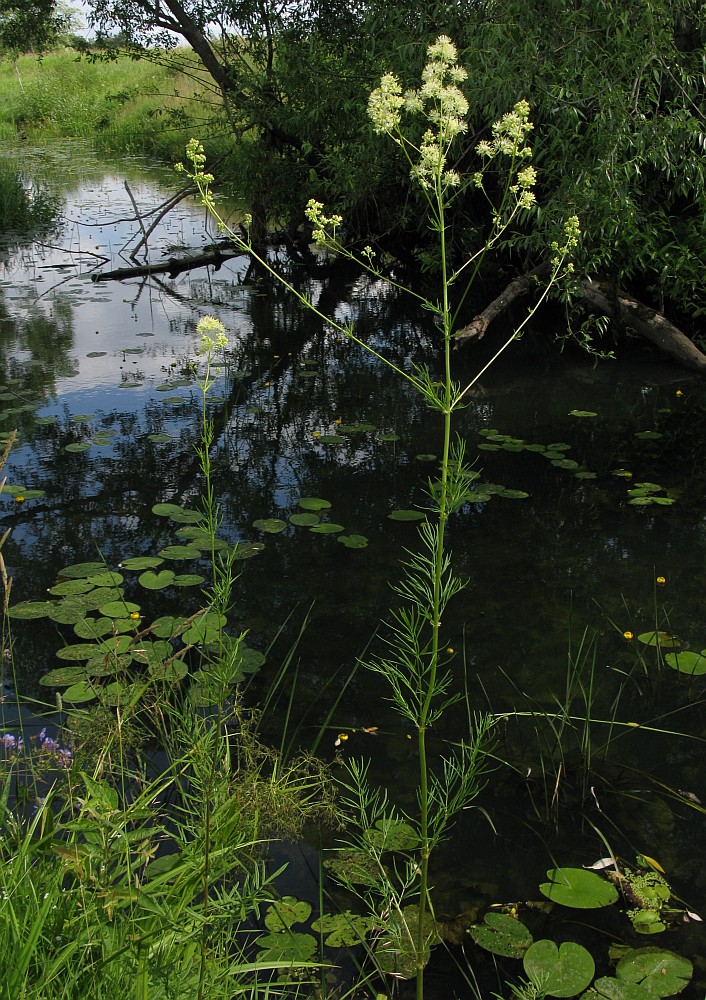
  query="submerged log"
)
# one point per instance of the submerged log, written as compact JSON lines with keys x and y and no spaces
{"x":600,"y":297}
{"x":172,"y":267}
{"x":649,"y":323}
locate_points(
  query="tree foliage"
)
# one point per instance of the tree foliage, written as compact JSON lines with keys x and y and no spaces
{"x":32,"y":25}
{"x":617,"y":93}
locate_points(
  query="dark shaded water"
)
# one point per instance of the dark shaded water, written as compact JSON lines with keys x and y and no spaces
{"x":107,"y":365}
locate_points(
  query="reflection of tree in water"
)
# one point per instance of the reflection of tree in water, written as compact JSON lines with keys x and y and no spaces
{"x":48,"y":339}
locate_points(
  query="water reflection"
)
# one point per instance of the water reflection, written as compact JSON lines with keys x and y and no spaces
{"x":108,"y":365}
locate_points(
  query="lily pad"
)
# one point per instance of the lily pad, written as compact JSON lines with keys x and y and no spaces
{"x":119,"y":609}
{"x":343,"y":930}
{"x":68,"y":587}
{"x":29,"y":610}
{"x":288,"y":910}
{"x":156,"y":581}
{"x":182,"y":515}
{"x":246,"y":550}
{"x":161,"y":438}
{"x":687,"y":662}
{"x":78,"y":570}
{"x":330,"y":439}
{"x":271,"y":525}
{"x":78,"y":651}
{"x":582,"y":413}
{"x":304,"y":520}
{"x":77,"y":446}
{"x":353,"y":541}
{"x":662,"y":639}
{"x":607,"y":988}
{"x":562,"y":971}
{"x":179,"y":552}
{"x":578,"y":888}
{"x":167,"y":626}
{"x":206,"y":628}
{"x":80,"y":693}
{"x":291,"y":947}
{"x":406,"y":515}
{"x":63,"y":676}
{"x":392,"y":835}
{"x":388,"y":437}
{"x":662,"y":972}
{"x":141,"y":562}
{"x":648,"y":435}
{"x":329,"y":528}
{"x":188,"y":580}
{"x":314,"y":503}
{"x":501,"y":934}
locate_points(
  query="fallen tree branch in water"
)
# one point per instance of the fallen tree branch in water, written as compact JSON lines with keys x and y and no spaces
{"x":518,"y":286}
{"x":601,"y":297}
{"x":629,"y":312}
{"x":172,"y":267}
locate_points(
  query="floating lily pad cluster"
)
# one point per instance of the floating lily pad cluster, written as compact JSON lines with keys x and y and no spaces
{"x":647,"y":494}
{"x":119,"y":653}
{"x":555,"y":452}
{"x":282,"y":944}
{"x":311,"y":515}
{"x":685,"y":661}
{"x":567,"y":969}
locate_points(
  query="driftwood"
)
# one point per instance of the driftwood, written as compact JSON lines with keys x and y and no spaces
{"x":172,"y":267}
{"x":649,"y":323}
{"x":478,"y":326}
{"x":600,"y":297}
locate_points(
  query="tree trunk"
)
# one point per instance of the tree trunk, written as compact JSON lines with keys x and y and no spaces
{"x":600,"y":297}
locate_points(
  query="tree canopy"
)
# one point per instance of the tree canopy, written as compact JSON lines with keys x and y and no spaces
{"x":32,"y":25}
{"x":618,"y":99}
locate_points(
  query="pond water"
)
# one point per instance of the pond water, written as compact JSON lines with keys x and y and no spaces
{"x":560,"y":563}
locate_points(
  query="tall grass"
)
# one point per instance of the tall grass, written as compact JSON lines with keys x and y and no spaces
{"x":125,"y":105}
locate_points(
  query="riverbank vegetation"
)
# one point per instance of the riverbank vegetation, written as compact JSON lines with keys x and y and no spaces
{"x":281,"y":92}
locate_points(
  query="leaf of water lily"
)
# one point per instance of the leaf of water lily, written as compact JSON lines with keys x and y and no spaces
{"x":141,"y":562}
{"x":170,"y":672}
{"x":406,"y":515}
{"x":355,"y":428}
{"x":502,"y":934}
{"x":425,"y":458}
{"x":205,"y":629}
{"x":563,"y":971}
{"x":582,"y":413}
{"x":579,"y":888}
{"x":84,"y":569}
{"x":388,"y":437}
{"x":79,"y":651}
{"x":304,"y":520}
{"x":663,"y":639}
{"x":565,"y":463}
{"x":687,"y":662}
{"x":98,"y":628}
{"x":648,"y":435}
{"x":662,"y":972}
{"x":82,"y":418}
{"x":152,"y":652}
{"x":290,"y":948}
{"x":156,"y":581}
{"x":67,"y":587}
{"x":63,"y":677}
{"x":188,"y":580}
{"x":329,"y":528}
{"x":77,"y":446}
{"x":586,"y":475}
{"x":182,"y":515}
{"x":180,"y":552}
{"x":109,"y":578}
{"x":343,"y":930}
{"x":119,"y":609}
{"x":353,"y":541}
{"x":513,"y":494}
{"x":246,"y":550}
{"x":286,"y":912}
{"x":314,"y":503}
{"x":79,"y":693}
{"x":167,"y":626}
{"x":160,"y":438}
{"x":271,"y":525}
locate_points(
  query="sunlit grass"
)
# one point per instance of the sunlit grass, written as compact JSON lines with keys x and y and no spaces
{"x":122,"y":106}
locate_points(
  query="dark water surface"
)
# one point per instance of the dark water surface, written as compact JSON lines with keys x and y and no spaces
{"x":80,"y":359}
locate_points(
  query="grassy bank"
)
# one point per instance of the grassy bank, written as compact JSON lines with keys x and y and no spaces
{"x":123,"y":106}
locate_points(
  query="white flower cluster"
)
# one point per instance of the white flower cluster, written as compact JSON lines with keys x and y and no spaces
{"x":212,"y":334}
{"x":439,"y":99}
{"x":314,"y":212}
